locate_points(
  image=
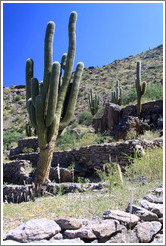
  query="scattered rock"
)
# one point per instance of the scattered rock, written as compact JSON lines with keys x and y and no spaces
{"x":69,"y":223}
{"x":65,"y":175}
{"x":146,"y":230}
{"x":143,"y":214}
{"x":83,"y":233}
{"x":158,"y":239}
{"x":106,"y":228}
{"x":153,"y":207}
{"x":58,"y":236}
{"x":154,"y":199}
{"x":128,"y":125}
{"x":35,"y":229}
{"x":109,"y":120}
{"x":15,"y":172}
{"x":158,"y":191}
{"x":122,"y":217}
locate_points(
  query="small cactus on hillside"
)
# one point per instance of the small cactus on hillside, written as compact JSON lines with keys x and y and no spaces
{"x":140,"y":87}
{"x":51,"y":103}
{"x":116,"y":94}
{"x":93,"y":102}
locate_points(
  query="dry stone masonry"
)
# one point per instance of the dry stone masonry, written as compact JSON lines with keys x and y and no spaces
{"x":87,"y":159}
{"x":143,"y":225}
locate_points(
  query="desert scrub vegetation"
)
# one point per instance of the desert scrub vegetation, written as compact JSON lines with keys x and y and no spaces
{"x":72,"y":140}
{"x":153,"y":92}
{"x":11,"y":136}
{"x":116,"y":195}
{"x":150,"y":166}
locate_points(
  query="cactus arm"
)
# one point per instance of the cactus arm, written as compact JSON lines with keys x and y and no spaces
{"x":73,"y":96}
{"x":29,"y":76}
{"x":51,"y":129}
{"x":63,"y":61}
{"x":40,"y":87}
{"x":69,"y":62}
{"x":53,"y":95}
{"x":40,"y":113}
{"x":143,"y":88}
{"x":48,"y":50}
{"x":34,"y":89}
{"x":31,"y":110}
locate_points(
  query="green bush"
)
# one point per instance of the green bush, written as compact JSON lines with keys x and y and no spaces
{"x":150,"y":165}
{"x":67,"y":141}
{"x":17,"y":98}
{"x":85,"y":118}
{"x":129,"y":97}
{"x":28,"y":150}
{"x":154,"y":91}
{"x":10,"y":136}
{"x":111,"y":174}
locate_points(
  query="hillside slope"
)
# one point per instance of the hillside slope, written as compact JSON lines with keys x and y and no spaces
{"x":101,"y":80}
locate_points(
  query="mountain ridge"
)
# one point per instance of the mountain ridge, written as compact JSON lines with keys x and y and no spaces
{"x":100,"y":79}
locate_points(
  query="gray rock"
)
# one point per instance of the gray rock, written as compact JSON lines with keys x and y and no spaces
{"x":106,"y":228}
{"x":15,"y":172}
{"x":65,"y":175}
{"x":143,"y":213}
{"x":154,"y":199}
{"x":158,"y":239}
{"x":126,"y":236}
{"x":83,"y":233}
{"x":158,"y":191}
{"x":121,"y":216}
{"x":153,"y":207}
{"x":58,"y":236}
{"x":93,"y":229}
{"x":146,"y":230}
{"x":61,"y":241}
{"x":69,"y":223}
{"x":35,"y":229}
{"x":10,"y":242}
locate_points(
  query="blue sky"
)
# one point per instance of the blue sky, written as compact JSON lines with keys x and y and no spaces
{"x":104,"y":32}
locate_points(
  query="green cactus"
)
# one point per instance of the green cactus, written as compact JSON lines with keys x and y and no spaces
{"x":116,"y":94}
{"x":51,"y":103}
{"x":93,"y":102}
{"x":28,"y":129}
{"x":140,"y":87}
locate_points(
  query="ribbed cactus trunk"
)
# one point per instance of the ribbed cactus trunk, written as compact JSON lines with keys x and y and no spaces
{"x":51,"y":103}
{"x":140,"y":87}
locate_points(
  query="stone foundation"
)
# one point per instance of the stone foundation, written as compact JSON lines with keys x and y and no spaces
{"x":87,"y":159}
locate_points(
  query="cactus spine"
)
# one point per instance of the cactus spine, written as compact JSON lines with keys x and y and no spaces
{"x":51,"y":103}
{"x":116,"y":94}
{"x":93,"y":102}
{"x":140,"y":87}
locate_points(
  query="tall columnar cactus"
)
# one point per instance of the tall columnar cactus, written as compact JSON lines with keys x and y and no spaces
{"x":93,"y":102}
{"x":116,"y":94}
{"x":51,"y":103}
{"x":140,"y":87}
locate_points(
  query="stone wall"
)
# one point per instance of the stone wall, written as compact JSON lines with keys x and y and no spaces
{"x":89,"y":158}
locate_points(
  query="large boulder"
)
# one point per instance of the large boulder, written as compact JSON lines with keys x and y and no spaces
{"x":60,"y":175}
{"x":35,"y":229}
{"x":17,"y":172}
{"x":130,"y":125}
{"x":109,"y":120}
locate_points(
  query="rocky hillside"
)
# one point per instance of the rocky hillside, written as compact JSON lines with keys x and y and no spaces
{"x":100,"y":79}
